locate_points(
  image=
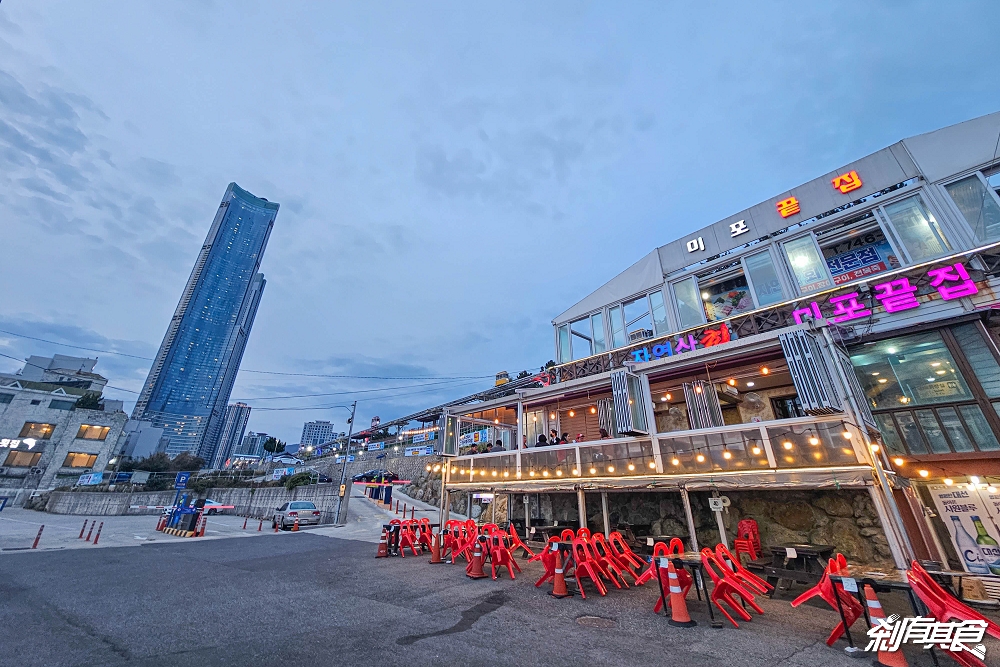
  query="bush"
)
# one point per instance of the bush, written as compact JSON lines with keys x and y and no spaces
{"x":298,"y":479}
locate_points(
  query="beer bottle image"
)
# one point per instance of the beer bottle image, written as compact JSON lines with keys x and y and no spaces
{"x":987,"y":546}
{"x":969,"y":548}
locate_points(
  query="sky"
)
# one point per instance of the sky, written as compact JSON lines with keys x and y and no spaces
{"x":451,"y":175}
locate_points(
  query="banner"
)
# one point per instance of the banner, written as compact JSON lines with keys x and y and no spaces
{"x":475,"y":437}
{"x":972,"y":517}
{"x":423,"y":437}
{"x":419,"y":451}
{"x":374,"y":446}
{"x":91,"y":479}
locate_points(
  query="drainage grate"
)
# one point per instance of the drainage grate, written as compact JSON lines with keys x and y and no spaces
{"x":596,"y":622}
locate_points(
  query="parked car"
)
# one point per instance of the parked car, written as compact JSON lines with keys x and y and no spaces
{"x":373,"y":475}
{"x":305,"y":511}
{"x":214,"y":507}
{"x":323,"y":479}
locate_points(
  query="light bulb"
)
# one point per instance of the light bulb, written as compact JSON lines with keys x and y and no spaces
{"x":572,"y":414}
{"x":991,"y":489}
{"x":675,"y":462}
{"x":558,"y":473}
{"x":611,"y":468}
{"x":750,"y":384}
{"x":814,"y":441}
{"x":482,"y":473}
{"x":898,"y":461}
{"x":923,"y":473}
{"x":847,"y":435}
{"x":496,"y":421}
{"x":593,"y":471}
{"x":495,"y":473}
{"x":948,"y":481}
{"x":875,"y":448}
{"x":786,"y":444}
{"x":631,"y":466}
{"x":552,"y":415}
{"x":593,"y":411}
{"x":575,"y":471}
{"x":727,"y":454}
{"x":652,"y":464}
{"x":697,"y":388}
{"x":531,"y":474}
{"x":974,"y":479}
{"x":463,"y":471}
{"x":545,"y":473}
{"x":428,"y":468}
{"x":700,"y":458}
{"x":756,"y":451}
{"x":765,"y":370}
{"x":506,"y":474}
{"x":436,"y":468}
{"x":731,"y":382}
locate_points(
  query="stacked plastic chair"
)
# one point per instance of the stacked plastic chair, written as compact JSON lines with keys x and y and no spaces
{"x":407,"y":538}
{"x":516,"y":543}
{"x":684,"y":580}
{"x":943,"y":607}
{"x":500,"y":556}
{"x":624,"y":552}
{"x":750,"y":580}
{"x":727,"y":587}
{"x":587,"y":567}
{"x":747,"y":539}
{"x":614,"y":564}
{"x":829,"y":593}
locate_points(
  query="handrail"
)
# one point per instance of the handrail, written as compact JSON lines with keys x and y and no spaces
{"x":731,"y":428}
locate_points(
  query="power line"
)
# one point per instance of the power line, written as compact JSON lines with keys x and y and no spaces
{"x":249,"y":370}
{"x":341,"y":393}
{"x":325,"y":407}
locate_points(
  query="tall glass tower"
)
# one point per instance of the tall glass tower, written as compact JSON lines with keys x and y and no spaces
{"x":192,"y":376}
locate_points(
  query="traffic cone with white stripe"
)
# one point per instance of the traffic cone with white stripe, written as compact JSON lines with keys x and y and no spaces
{"x":475,"y":568}
{"x":559,"y":589}
{"x":435,"y":549}
{"x":383,"y":547}
{"x":679,"y":616}
{"x":884,"y":658}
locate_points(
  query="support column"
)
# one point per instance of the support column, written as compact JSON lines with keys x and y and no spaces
{"x":527,"y":515}
{"x":581,"y":500}
{"x":468,"y":513}
{"x":690,"y":518}
{"x":445,"y":495}
{"x":889,"y":528}
{"x":722,"y":528}
{"x":604,"y":509}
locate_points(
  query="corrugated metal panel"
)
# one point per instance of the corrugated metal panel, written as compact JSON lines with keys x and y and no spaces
{"x":606,"y":416}
{"x":810,"y":373}
{"x":855,"y":387}
{"x":629,"y":411}
{"x":702,"y":403}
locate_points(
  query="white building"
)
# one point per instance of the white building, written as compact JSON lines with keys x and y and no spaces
{"x":316,"y":433}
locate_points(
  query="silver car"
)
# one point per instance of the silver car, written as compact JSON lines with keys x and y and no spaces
{"x":305,"y":511}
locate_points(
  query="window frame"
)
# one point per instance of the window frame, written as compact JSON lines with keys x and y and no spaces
{"x":35,"y":457}
{"x":26,"y":432}
{"x":955,"y":237}
{"x":879,"y":221}
{"x":787,"y":264}
{"x":105,"y":430}
{"x":956,"y":212}
{"x":90,"y":463}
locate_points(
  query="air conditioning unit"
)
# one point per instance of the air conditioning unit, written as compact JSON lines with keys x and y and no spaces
{"x":640,"y":334}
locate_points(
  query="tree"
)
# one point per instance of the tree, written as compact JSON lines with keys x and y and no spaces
{"x":89,"y":401}
{"x":523,"y":374}
{"x":274,"y":446}
{"x":186,"y":461}
{"x":158,"y":462}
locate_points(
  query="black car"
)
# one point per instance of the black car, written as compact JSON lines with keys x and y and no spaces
{"x":376,"y":475}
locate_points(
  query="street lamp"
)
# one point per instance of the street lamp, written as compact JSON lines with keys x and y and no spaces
{"x":345,"y":496}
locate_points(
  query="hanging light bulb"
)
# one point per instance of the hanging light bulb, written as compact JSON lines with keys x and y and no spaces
{"x":611,"y":468}
{"x":558,"y":473}
{"x":814,"y":441}
{"x":428,"y":468}
{"x":545,"y":473}
{"x":436,"y":468}
{"x":847,"y":435}
{"x":974,"y":479}
{"x":575,"y":471}
{"x":787,"y":444}
{"x":631,"y":466}
{"x":898,"y":461}
{"x":765,"y":370}
{"x":731,"y":382}
{"x":726,"y":454}
{"x":948,"y":481}
{"x":593,"y":410}
{"x":675,"y":461}
{"x":923,"y":473}
{"x":552,"y":415}
{"x":875,"y":448}
{"x":531,"y":474}
{"x":652,"y":464}
{"x":495,"y":473}
{"x":506,"y":473}
{"x":496,"y":421}
{"x":755,"y":451}
{"x":700,"y":458}
{"x":593,"y":471}
{"x":697,"y":388}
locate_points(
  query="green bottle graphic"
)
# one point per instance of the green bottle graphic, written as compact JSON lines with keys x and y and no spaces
{"x":988,"y":546}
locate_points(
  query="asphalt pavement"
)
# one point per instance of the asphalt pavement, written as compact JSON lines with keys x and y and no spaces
{"x":319,"y":597}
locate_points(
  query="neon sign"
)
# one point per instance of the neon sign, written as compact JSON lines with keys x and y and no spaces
{"x":787,"y":207}
{"x":847,"y":182}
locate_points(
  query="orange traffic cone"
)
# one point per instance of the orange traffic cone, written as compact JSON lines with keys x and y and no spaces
{"x":475,"y":568}
{"x":383,"y":547}
{"x":679,"y":616}
{"x":885,"y":658}
{"x":436,"y":549}
{"x":559,"y":589}
{"x":275,"y":526}
{"x":295,"y":526}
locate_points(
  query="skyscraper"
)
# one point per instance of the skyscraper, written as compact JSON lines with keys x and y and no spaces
{"x":231,"y":435}
{"x":316,"y":433}
{"x":192,"y":376}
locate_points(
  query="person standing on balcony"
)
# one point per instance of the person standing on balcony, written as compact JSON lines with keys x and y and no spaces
{"x":542,"y":442}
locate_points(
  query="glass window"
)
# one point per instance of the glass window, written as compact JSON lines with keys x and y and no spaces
{"x":61,"y":405}
{"x":807,"y":265}
{"x":88,"y":432}
{"x":581,"y":338}
{"x":978,"y":206}
{"x":36,"y":431}
{"x":956,"y":433}
{"x":597,"y":324}
{"x":889,"y":435}
{"x":856,"y":249}
{"x":725,"y":292}
{"x":917,"y":228}
{"x":909,"y":371}
{"x":638,"y":322}
{"x":688,"y":303}
{"x":79,"y":460}
{"x":933,"y":431}
{"x":564,"y":353}
{"x":659,"y":313}
{"x":983,"y":363}
{"x":302,"y":505}
{"x":617,"y":327}
{"x":22,"y":459}
{"x":766,"y":285}
{"x":979,"y":427}
{"x":911,"y":434}
{"x":6,"y":398}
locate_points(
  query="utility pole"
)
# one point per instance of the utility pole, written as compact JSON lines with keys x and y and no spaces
{"x":345,"y":499}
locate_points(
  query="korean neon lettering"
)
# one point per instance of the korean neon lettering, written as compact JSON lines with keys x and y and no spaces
{"x":897,"y":295}
{"x":954,"y":273}
{"x":847,"y":307}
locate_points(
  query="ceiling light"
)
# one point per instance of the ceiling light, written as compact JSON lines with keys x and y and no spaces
{"x":496,"y":421}
{"x":904,"y":399}
{"x":923,"y":473}
{"x":482,"y":473}
{"x":898,"y":461}
{"x":882,"y":381}
{"x":749,"y":384}
{"x":930,"y":379}
{"x":876,"y":373}
{"x":506,"y":474}
{"x":890,"y":350}
{"x":552,"y":415}
{"x":948,"y":481}
{"x":935,"y":364}
{"x":940,"y":372}
{"x":494,"y":473}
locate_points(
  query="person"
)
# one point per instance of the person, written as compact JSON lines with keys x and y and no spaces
{"x":524,"y":442}
{"x":604,"y":434}
{"x":489,"y":448}
{"x":498,"y":446}
{"x":564,"y":440}
{"x":553,"y":436}
{"x":542,"y":442}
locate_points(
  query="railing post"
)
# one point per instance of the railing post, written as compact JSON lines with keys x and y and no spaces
{"x":579,"y":462}
{"x":648,"y":406}
{"x":765,"y":442}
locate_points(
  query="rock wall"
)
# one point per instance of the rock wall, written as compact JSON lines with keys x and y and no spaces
{"x":845,"y":519}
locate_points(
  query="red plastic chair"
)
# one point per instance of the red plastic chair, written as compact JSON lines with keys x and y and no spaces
{"x":548,"y":558}
{"x":605,"y":558}
{"x":747,"y":539}
{"x":516,"y":543}
{"x":490,"y":528}
{"x":624,"y":552}
{"x":583,"y":533}
{"x":726,"y":586}
{"x":500,"y":555}
{"x":586,"y":567}
{"x":748,"y":578}
{"x":829,"y":594}
{"x":567,"y":535}
{"x":407,"y":538}
{"x":943,"y":605}
{"x":676,"y":548}
{"x":659,"y":549}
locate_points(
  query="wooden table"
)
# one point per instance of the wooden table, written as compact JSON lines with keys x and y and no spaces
{"x":806,"y":566}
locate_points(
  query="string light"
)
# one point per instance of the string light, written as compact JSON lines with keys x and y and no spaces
{"x":923,"y":473}
{"x":847,"y":435}
{"x":611,"y":468}
{"x":575,"y":471}
{"x":428,"y":468}
{"x":652,"y":464}
{"x":875,"y":448}
{"x":787,"y":444}
{"x":898,"y":461}
{"x":726,"y":454}
{"x":593,"y":410}
{"x":531,"y":474}
{"x":700,"y":458}
{"x":495,"y":473}
{"x":731,"y":382}
{"x":765,"y":370}
{"x":506,"y":473}
{"x":572,"y":414}
{"x":593,"y":471}
{"x":756,"y":450}
{"x":675,"y":462}
{"x":697,"y":388}
{"x":545,"y":473}
{"x":948,"y":481}
{"x":436,"y":468}
{"x":974,"y":479}
{"x":631,"y":466}
{"x":814,"y":441}
{"x":558,"y":473}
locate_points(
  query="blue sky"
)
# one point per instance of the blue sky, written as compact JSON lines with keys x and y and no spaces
{"x":451,"y":175}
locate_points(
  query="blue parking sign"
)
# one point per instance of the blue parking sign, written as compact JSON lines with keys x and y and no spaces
{"x":181,"y":481}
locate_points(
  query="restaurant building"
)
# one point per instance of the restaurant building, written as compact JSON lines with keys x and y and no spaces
{"x":836,"y":341}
